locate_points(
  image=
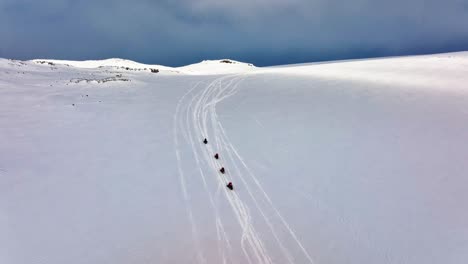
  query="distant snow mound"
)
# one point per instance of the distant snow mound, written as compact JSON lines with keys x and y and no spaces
{"x":224,"y":66}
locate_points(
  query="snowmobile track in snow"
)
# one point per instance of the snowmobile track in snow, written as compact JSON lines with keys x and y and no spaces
{"x":196,"y":118}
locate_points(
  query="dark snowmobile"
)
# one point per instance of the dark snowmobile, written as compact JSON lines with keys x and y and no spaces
{"x":216,"y":156}
{"x":229,"y":185}
{"x":222,"y":170}
{"x":205,"y":141}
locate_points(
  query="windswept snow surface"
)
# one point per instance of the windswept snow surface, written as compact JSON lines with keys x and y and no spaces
{"x":341,"y":162}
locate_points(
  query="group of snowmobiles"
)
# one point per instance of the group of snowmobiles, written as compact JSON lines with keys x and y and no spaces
{"x":222,"y":170}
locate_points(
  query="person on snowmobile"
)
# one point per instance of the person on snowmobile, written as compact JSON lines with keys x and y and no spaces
{"x":229,"y":185}
{"x":205,"y":141}
{"x":222,"y":170}
{"x":216,"y":156}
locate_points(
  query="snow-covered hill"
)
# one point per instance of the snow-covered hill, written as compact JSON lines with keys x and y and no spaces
{"x":210,"y":67}
{"x":341,"y":162}
{"x":103,"y":63}
{"x":207,"y":67}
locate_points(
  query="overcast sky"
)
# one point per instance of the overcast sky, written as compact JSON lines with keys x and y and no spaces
{"x":263,"y":32}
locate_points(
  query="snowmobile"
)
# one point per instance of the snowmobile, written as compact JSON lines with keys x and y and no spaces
{"x":222,"y":170}
{"x":216,"y":156}
{"x":205,"y":141}
{"x":229,"y":185}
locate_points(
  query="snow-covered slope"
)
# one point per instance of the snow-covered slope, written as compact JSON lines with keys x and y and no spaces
{"x":342,"y":162}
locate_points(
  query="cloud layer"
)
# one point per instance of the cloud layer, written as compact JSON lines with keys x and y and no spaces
{"x":264,"y":32}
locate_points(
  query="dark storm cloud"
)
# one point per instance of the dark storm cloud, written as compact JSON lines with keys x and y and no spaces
{"x":263,"y":32}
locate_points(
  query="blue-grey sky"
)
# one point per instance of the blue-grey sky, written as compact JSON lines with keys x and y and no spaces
{"x":263,"y":32}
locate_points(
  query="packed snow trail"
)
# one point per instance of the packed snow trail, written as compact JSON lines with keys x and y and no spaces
{"x":195,"y":119}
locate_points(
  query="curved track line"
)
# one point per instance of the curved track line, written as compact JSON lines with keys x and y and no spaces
{"x":249,"y":235}
{"x":195,"y":237}
{"x":220,"y":231}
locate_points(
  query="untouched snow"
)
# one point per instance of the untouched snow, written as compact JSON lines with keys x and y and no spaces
{"x":342,"y":162}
